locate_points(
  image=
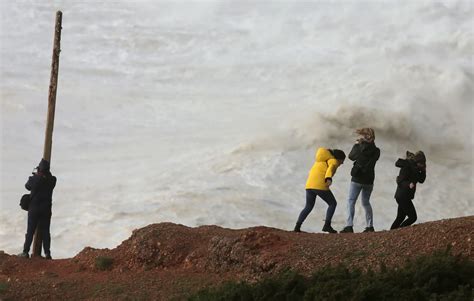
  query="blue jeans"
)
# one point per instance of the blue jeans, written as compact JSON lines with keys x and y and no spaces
{"x":354,"y":190}
{"x":311,"y":195}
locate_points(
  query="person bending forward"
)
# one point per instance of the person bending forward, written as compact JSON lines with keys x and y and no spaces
{"x":318,"y":182}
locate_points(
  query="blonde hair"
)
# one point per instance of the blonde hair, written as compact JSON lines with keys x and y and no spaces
{"x":367,"y":134}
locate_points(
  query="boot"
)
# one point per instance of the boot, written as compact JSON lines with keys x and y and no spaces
{"x":369,"y":229}
{"x":328,"y":228}
{"x":24,"y":255}
{"x":297,"y":227}
{"x":347,"y":229}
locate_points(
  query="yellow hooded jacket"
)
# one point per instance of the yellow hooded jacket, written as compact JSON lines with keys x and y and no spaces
{"x":324,"y":167}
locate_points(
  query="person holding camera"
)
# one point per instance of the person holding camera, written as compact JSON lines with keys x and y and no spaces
{"x":412,"y":171}
{"x":364,"y":154}
{"x":41,"y":185}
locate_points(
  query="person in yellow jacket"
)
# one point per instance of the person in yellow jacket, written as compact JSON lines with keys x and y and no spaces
{"x":319,"y":179}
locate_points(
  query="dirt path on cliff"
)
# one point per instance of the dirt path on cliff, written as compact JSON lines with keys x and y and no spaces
{"x":168,"y":261}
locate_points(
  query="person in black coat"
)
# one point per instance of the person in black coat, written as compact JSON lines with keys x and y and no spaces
{"x":412,"y":171}
{"x":364,"y":154}
{"x":41,"y":185}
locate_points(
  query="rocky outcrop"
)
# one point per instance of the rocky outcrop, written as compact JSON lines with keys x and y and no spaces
{"x":167,"y":261}
{"x":254,"y":252}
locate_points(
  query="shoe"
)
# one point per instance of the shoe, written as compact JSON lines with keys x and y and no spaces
{"x":48,"y":257}
{"x":297,"y":228}
{"x":369,"y":229}
{"x":347,"y":229}
{"x":329,"y":229}
{"x":24,"y":255}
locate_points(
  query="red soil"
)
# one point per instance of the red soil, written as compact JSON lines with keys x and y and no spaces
{"x":168,"y":261}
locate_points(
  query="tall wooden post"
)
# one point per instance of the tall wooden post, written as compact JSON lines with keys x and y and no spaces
{"x":53,"y":87}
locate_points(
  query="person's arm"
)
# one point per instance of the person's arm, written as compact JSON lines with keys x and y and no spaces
{"x":370,"y":163}
{"x":421,"y":174}
{"x":373,"y":159}
{"x":403,"y":176}
{"x":355,"y":152}
{"x":331,"y":171}
{"x":30,"y":183}
{"x":401,"y":163}
{"x":54,"y":181}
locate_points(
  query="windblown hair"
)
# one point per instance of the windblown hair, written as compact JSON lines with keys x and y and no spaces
{"x":367,"y":135}
{"x":418,"y":157}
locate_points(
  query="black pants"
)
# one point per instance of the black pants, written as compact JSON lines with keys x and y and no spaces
{"x":42,"y":220}
{"x":311,"y":195}
{"x":405,"y":209}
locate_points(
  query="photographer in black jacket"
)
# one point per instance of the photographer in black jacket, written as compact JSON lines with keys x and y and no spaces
{"x":364,"y":154}
{"x":41,"y":185}
{"x":412,"y":171}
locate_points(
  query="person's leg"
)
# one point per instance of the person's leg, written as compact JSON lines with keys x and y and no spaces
{"x":33,"y":219}
{"x":44,"y":224}
{"x":366,"y":192}
{"x":354,"y":190}
{"x":329,"y":198}
{"x":310,"y":200}
{"x":401,"y":214}
{"x":411,"y":212}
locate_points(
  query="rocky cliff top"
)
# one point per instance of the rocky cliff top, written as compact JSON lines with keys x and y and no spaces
{"x":163,"y":261}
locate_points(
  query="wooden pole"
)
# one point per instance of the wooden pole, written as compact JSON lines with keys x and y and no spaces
{"x":53,"y":87}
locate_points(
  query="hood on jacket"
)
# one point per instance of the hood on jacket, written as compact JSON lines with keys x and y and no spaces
{"x":323,"y":154}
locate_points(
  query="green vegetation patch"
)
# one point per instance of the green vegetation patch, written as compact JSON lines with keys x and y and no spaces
{"x":3,"y":287}
{"x":103,"y":263}
{"x":440,"y":276}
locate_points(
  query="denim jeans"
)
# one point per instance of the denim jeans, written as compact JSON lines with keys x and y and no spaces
{"x":325,"y":195}
{"x":354,"y":190}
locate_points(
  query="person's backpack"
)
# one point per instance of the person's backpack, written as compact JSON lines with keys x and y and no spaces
{"x":25,"y":201}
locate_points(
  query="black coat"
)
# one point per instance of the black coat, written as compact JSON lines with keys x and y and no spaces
{"x":364,"y":155}
{"x":41,"y":187}
{"x":409,"y":173}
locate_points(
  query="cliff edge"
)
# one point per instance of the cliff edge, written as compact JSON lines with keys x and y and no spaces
{"x":169,"y":261}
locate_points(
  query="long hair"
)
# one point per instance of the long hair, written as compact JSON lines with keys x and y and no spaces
{"x":367,"y":134}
